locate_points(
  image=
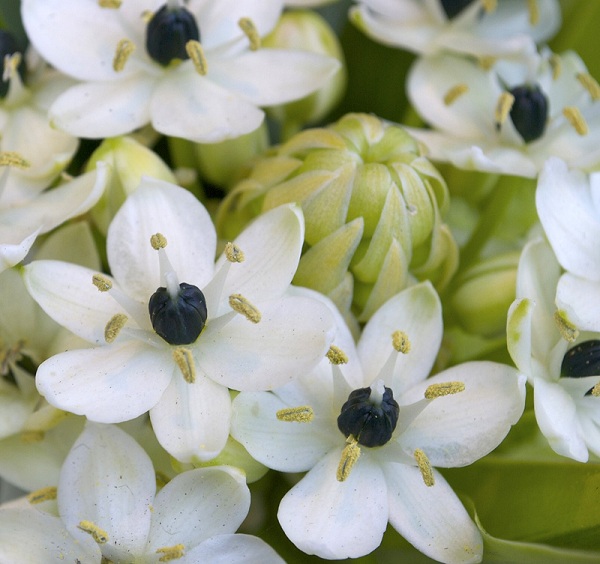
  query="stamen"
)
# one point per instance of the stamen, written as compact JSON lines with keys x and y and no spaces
{"x":233,"y":253}
{"x":185,"y":361}
{"x":101,"y":282}
{"x":146,"y":16}
{"x":114,"y":326}
{"x":250,"y":31}
{"x":401,"y":342}
{"x":567,"y":330}
{"x":302,"y":414}
{"x":122,"y":54}
{"x":595,"y":391}
{"x":41,"y":495}
{"x":11,"y":65}
{"x":158,"y":241}
{"x":336,"y":355}
{"x":99,"y":535}
{"x":444,"y":389}
{"x":11,"y":158}
{"x":196,"y":53}
{"x":454,"y":93}
{"x":590,"y":84}
{"x":534,"y":12}
{"x":503,"y":107}
{"x":350,"y":455}
{"x":555,"y":65}
{"x":576,"y":120}
{"x":486,"y":62}
{"x":489,"y":5}
{"x":170,"y":552}
{"x":425,"y":467}
{"x":115,"y":4}
{"x":241,"y":305}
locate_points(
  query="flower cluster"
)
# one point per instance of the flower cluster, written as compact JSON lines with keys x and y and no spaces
{"x":299,"y":279}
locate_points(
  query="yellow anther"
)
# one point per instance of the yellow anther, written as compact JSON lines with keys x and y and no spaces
{"x":576,"y":120}
{"x":302,"y":414}
{"x":31,"y":437}
{"x":147,"y":15}
{"x":336,"y":355}
{"x":101,"y":282}
{"x":567,"y":330}
{"x":401,"y":342}
{"x":425,"y":467}
{"x":555,"y":65}
{"x":241,"y":305}
{"x":444,"y":389}
{"x":185,"y":361}
{"x":11,"y":158}
{"x":11,"y":64}
{"x":99,"y":535}
{"x":534,"y":12}
{"x":455,"y":93}
{"x":489,"y":5}
{"x":114,"y":326}
{"x":41,"y":495}
{"x":590,"y":84}
{"x":170,"y":552}
{"x":115,"y":4}
{"x":503,"y":107}
{"x":486,"y":62}
{"x":233,"y":253}
{"x":250,"y":31}
{"x":196,"y":53}
{"x":350,"y":455}
{"x":122,"y":54}
{"x":158,"y":241}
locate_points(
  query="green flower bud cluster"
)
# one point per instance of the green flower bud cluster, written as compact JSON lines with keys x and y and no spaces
{"x":373,"y":208}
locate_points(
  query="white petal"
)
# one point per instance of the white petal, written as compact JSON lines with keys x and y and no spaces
{"x":193,"y":107}
{"x":569,"y":217}
{"x":15,"y":408}
{"x":197,"y":505}
{"x":417,"y":312}
{"x":191,"y":421}
{"x":107,"y":384}
{"x":272,"y":245}
{"x":273,"y":76}
{"x":556,"y":414}
{"x":108,"y":479}
{"x":282,"y":445}
{"x":66,"y":293}
{"x":458,"y":429}
{"x":104,"y":109}
{"x":580,"y":300}
{"x":431,"y":518}
{"x":29,"y":535}
{"x":15,"y":243}
{"x":224,"y":549}
{"x":160,"y":207}
{"x":80,"y":41}
{"x":293,"y":335}
{"x":334,"y":519}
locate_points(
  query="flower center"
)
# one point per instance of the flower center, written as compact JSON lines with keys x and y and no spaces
{"x":8,"y":48}
{"x":370,"y":415}
{"x":172,"y":26}
{"x":177,"y":311}
{"x":529,"y":112}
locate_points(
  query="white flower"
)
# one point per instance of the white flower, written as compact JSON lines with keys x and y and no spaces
{"x":342,"y":506}
{"x":508,"y":119}
{"x":109,"y":510}
{"x":482,"y":28}
{"x":561,"y":365}
{"x":252,"y":338}
{"x":208,"y":98}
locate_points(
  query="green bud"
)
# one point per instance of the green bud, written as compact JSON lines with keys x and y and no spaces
{"x":307,"y":31}
{"x":484,"y":293}
{"x":130,"y":160}
{"x":372,"y":206}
